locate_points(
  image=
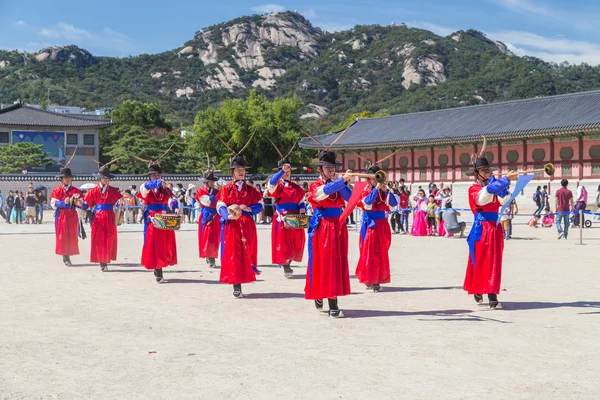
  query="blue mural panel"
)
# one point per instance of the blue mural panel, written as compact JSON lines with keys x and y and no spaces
{"x":52,"y":142}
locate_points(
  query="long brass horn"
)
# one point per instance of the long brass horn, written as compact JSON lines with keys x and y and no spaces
{"x":379,"y":176}
{"x":549,"y":169}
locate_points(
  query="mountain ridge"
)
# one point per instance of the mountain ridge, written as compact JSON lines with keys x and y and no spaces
{"x":389,"y":69}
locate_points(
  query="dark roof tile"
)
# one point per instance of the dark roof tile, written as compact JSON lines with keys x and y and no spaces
{"x":22,"y":115}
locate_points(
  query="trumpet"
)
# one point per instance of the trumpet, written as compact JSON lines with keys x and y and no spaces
{"x":380,"y":176}
{"x":548,"y":169}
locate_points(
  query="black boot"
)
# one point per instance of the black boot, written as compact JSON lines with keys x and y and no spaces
{"x":104,"y":267}
{"x":237,"y":291}
{"x":334,"y":310}
{"x":494,"y":303}
{"x":376,"y":288}
{"x":211,"y":263}
{"x":319,"y":304}
{"x":158,"y":274}
{"x":287,"y":271}
{"x":478,"y":298}
{"x":67,"y":261}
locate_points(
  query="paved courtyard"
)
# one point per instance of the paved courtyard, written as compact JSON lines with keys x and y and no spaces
{"x":78,"y":333}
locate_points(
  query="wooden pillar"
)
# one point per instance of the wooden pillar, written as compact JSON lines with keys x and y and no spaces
{"x":453,"y":163}
{"x":412,"y":163}
{"x":552,"y":160}
{"x":580,"y":155}
{"x":432,"y":165}
{"x":394,"y":165}
{"x":525,"y":154}
{"x":344,"y":160}
{"x":500,"y":157}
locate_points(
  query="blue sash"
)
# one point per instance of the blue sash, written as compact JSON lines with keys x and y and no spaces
{"x":313,"y":224}
{"x":477,"y":230}
{"x":280,"y":207}
{"x":103,"y":207}
{"x":369,"y":218}
{"x":151,"y":207}
{"x":207,"y":214}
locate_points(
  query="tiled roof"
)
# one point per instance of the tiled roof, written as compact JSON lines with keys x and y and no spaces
{"x":22,"y":115}
{"x":512,"y":119}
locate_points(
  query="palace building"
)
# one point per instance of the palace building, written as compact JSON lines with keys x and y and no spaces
{"x":436,"y":146}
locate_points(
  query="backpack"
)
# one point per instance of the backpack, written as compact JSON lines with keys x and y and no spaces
{"x":536,"y":198}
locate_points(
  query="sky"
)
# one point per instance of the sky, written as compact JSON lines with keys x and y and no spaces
{"x":553,"y":30}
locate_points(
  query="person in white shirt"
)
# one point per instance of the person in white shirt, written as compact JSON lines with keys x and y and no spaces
{"x":580,"y":203}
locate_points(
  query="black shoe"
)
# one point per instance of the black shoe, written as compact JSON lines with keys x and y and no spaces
{"x":237,"y":291}
{"x":103,"y":267}
{"x":319,"y":304}
{"x":494,"y":303}
{"x":377,"y":288}
{"x":67,"y":261}
{"x":478,"y":298}
{"x":369,"y":287}
{"x":336,"y":314}
{"x":287,"y":271}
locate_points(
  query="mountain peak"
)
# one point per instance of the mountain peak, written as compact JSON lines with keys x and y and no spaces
{"x":71,"y":53}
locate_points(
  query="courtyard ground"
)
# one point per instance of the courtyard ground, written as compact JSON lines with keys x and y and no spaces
{"x":78,"y":333}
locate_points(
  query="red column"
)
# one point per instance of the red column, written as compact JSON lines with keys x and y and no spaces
{"x":412,"y":163}
{"x":453,"y":164}
{"x":500,"y":156}
{"x":552,"y":160}
{"x":525,"y":154}
{"x":432,"y":165}
{"x":580,"y":156}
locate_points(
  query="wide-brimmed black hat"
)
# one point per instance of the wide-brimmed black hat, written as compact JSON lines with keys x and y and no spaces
{"x":238,"y":162}
{"x":481,"y":162}
{"x":65,"y":173}
{"x":154,"y":169}
{"x":208,"y":176}
{"x":281,"y":163}
{"x":104,"y":172}
{"x":326,"y":158}
{"x":373,"y":169}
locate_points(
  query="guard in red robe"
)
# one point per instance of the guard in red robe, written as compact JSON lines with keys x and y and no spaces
{"x":209,"y":227}
{"x":328,"y":275}
{"x":101,"y":200}
{"x":160,"y":246}
{"x":237,"y":202}
{"x":373,"y":267}
{"x":486,"y":239}
{"x":287,"y":245}
{"x":65,"y":199}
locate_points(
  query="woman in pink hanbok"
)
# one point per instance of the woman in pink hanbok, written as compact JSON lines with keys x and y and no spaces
{"x":419,"y":227}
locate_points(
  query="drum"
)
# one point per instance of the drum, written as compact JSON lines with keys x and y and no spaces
{"x":167,"y":222}
{"x":295,"y":221}
{"x":119,"y":215}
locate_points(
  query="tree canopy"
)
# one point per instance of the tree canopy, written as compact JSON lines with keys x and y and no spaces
{"x":18,"y":157}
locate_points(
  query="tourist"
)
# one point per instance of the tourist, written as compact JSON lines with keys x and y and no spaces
{"x":129,"y":205}
{"x":537,"y":200}
{"x":563,"y":204}
{"x":580,"y":204}
{"x":19,"y":209}
{"x":404,"y":208}
{"x":431,"y":215}
{"x":328,"y":275}
{"x":160,"y":246}
{"x":66,"y":199}
{"x":209,"y":223}
{"x":101,"y":200}
{"x":30,"y":204}
{"x":548,"y":218}
{"x":189,"y":203}
{"x":39,"y":207}
{"x":419,"y":227}
{"x":451,"y":224}
{"x":507,"y":217}
{"x":2,"y":214}
{"x":486,"y":238}
{"x":545,"y":198}
{"x":287,"y":245}
{"x":533,"y":222}
{"x":10,"y":204}
{"x":598,"y":203}
{"x":395,"y":210}
{"x":236,"y":203}
{"x":136,"y":208}
{"x":373,"y":267}
{"x":259,"y":218}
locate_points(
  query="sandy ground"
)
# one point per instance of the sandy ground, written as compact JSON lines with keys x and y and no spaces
{"x":78,"y":333}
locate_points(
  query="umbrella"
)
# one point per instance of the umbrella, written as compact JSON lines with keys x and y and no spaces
{"x":39,"y":188}
{"x":87,"y":186}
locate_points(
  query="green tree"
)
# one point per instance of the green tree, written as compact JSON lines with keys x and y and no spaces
{"x":236,"y":121}
{"x":15,"y":158}
{"x":145,"y":115}
{"x":352,"y":118}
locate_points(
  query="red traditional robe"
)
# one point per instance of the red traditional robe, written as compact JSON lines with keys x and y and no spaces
{"x":286,"y":244}
{"x":66,"y":220}
{"x":104,"y":228}
{"x":485,"y":275}
{"x":160,"y":246}
{"x":375,"y":238}
{"x":239,"y":241}
{"x":328,"y":275}
{"x":209,"y":227}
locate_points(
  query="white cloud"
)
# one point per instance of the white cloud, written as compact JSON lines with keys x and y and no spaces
{"x":526,"y":6}
{"x":549,"y":48}
{"x":108,"y":40}
{"x":437,"y":29}
{"x":20,"y":23}
{"x":269,"y":8}
{"x":333,"y":26}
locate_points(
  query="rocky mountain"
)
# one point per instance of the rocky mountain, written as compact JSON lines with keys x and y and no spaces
{"x":390,"y":69}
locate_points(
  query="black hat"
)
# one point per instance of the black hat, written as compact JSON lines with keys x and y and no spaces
{"x":481,"y":162}
{"x":327,"y":159}
{"x":104,"y":172}
{"x":238,"y":162}
{"x":208,"y":176}
{"x":281,"y":163}
{"x":373,"y":169}
{"x":65,"y":173}
{"x":154,"y":169}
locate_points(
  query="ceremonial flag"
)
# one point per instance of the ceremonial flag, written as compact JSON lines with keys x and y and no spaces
{"x":356,"y":193}
{"x":520,"y":185}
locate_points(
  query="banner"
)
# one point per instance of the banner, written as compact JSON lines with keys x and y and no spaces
{"x":52,"y":142}
{"x":519,"y":186}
